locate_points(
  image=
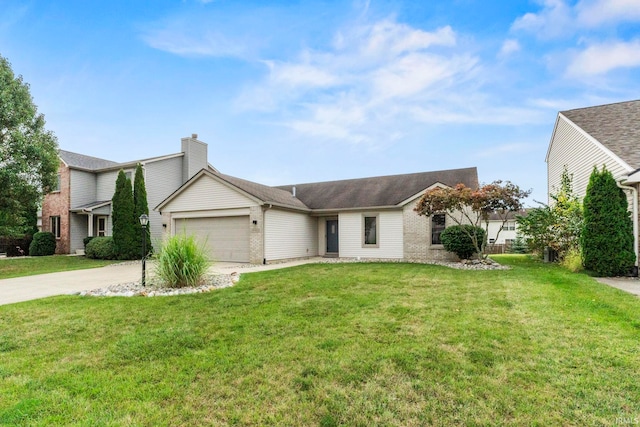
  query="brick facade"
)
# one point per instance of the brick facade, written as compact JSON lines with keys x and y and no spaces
{"x":57,"y":203}
{"x":417,"y":239}
{"x":256,"y":235}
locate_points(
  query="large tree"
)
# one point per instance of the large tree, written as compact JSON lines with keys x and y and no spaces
{"x":607,"y":238}
{"x":28,"y":153}
{"x":141,"y":206}
{"x":125,"y":237}
{"x":473,"y":206}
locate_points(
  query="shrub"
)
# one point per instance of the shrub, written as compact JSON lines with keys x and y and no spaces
{"x":43,"y":244}
{"x":457,"y":239}
{"x":15,"y":246}
{"x":181,"y":262}
{"x":100,"y":248}
{"x":607,"y":238}
{"x":572,"y":260}
{"x":125,"y":224}
{"x":86,"y":240}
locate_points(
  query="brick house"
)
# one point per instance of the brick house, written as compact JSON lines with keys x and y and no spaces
{"x":80,"y":206}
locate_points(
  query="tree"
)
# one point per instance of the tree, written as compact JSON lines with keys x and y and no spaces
{"x":125,"y":238}
{"x":466,"y":206}
{"x":558,"y":226}
{"x":607,"y":237}
{"x":28,"y":154}
{"x":141,"y":206}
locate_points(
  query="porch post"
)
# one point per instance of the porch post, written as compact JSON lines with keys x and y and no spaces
{"x":90,"y":227}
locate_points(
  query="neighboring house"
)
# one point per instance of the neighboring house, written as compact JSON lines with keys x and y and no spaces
{"x":244,"y":221}
{"x":606,"y":135}
{"x":81,"y":204}
{"x":508,"y":232}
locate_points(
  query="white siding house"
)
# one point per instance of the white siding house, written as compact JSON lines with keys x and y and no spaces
{"x":368,"y":218}
{"x":606,"y":135}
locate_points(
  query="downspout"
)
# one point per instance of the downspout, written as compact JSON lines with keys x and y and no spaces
{"x":634,"y":194}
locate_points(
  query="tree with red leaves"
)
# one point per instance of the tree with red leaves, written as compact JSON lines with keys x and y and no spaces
{"x":467,"y":206}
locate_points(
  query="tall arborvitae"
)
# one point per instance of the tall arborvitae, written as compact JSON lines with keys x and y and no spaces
{"x":607,"y":237}
{"x":140,"y":206}
{"x":125,"y":238}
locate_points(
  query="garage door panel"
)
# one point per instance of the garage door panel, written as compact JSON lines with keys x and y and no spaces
{"x":225,"y":238}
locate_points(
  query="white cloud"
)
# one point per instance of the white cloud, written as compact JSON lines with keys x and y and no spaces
{"x":593,"y":13}
{"x":176,"y":40}
{"x":555,"y":19}
{"x":509,"y":47}
{"x":601,"y":58}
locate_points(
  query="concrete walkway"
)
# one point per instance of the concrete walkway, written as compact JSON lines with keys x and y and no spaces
{"x":627,"y":284}
{"x":69,"y":282}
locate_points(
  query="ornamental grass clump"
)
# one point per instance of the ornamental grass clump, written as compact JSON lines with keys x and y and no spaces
{"x":181,"y":262}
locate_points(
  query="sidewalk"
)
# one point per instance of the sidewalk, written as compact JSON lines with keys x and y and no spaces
{"x":627,"y":284}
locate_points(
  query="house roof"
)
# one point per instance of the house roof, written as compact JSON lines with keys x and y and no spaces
{"x":80,"y":161}
{"x":91,"y":206}
{"x":263,"y":192}
{"x":346,"y":194}
{"x":616,"y":126}
{"x":377,"y":191}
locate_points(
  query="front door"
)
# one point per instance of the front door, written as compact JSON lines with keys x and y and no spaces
{"x":332,"y":236}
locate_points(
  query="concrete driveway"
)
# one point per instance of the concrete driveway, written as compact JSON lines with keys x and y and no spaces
{"x":67,"y":282}
{"x":627,"y":284}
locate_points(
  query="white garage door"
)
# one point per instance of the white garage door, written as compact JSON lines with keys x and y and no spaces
{"x":226,"y":238}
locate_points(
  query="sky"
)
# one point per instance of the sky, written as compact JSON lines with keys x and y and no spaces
{"x":288,"y":92}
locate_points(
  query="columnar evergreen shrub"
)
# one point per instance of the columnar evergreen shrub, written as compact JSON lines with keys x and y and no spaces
{"x":140,"y":206}
{"x":100,"y":248}
{"x":459,"y":239}
{"x":181,"y":262}
{"x":43,"y":244}
{"x":607,"y":238}
{"x":125,"y":236}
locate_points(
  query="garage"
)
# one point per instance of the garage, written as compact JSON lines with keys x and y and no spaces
{"x":226,"y":238}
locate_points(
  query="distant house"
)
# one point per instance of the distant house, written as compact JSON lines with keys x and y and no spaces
{"x":500,"y":234}
{"x":368,"y":218}
{"x":606,"y":135}
{"x":81,"y":204}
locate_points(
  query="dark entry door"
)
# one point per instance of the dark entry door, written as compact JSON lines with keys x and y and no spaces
{"x":332,"y":236}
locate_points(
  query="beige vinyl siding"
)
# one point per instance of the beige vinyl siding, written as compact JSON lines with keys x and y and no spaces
{"x":289,"y":235}
{"x":83,"y":188}
{"x":207,"y":193}
{"x":79,"y":229}
{"x":106,"y":184}
{"x":390,"y":238}
{"x":571,"y":147}
{"x":161,"y":178}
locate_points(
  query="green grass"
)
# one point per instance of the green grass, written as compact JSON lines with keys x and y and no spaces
{"x":18,"y":267}
{"x":329,"y":345}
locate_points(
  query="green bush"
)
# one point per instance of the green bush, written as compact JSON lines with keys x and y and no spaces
{"x":43,"y":244}
{"x":572,"y":260}
{"x":181,"y":262}
{"x":86,"y":240}
{"x":457,"y":239}
{"x":100,"y":248}
{"x":607,"y":238}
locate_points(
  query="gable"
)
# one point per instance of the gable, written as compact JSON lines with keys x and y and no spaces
{"x":572,"y":147}
{"x":205,"y":192}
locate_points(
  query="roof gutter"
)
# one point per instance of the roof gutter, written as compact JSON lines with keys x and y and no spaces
{"x":634,"y":194}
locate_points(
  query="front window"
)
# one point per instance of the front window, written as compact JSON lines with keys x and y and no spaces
{"x":370,"y":237}
{"x":437,"y":227}
{"x":55,"y":226}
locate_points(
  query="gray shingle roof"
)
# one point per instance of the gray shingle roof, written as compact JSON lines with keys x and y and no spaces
{"x":263,"y":192}
{"x":81,"y":161}
{"x":377,"y":191}
{"x":616,"y":126}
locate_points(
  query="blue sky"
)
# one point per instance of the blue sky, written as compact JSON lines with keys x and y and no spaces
{"x":292,"y":92}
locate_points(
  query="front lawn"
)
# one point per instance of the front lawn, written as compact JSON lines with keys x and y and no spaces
{"x":332,"y":344}
{"x":28,"y":266}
